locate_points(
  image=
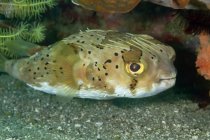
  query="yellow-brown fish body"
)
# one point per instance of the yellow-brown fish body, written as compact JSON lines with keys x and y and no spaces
{"x":99,"y":64}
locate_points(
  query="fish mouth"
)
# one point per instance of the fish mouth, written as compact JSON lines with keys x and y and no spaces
{"x":167,"y":79}
{"x":168,"y":82}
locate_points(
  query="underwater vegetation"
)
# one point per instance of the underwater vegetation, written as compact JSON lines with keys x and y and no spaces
{"x":24,"y":8}
{"x":20,"y":20}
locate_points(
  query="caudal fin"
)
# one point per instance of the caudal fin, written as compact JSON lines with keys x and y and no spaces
{"x":21,"y":48}
{"x":2,"y":63}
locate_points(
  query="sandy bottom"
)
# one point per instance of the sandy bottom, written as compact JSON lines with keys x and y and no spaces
{"x":26,"y":114}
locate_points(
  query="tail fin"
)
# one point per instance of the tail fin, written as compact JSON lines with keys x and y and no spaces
{"x":21,"y":48}
{"x":2,"y":63}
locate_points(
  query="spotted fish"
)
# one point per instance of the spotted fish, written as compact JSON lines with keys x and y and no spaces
{"x":97,"y":64}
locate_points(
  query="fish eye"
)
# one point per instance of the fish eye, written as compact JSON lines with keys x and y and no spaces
{"x":135,"y":68}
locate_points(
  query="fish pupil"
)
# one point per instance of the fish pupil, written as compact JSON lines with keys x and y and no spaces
{"x":134,"y":67}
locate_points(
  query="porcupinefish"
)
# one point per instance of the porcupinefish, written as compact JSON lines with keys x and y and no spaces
{"x":98,"y":64}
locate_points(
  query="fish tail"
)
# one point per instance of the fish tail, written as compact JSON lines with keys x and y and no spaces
{"x":2,"y":63}
{"x":21,"y":48}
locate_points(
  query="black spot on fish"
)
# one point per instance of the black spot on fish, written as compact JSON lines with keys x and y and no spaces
{"x":42,"y":76}
{"x":99,"y":46}
{"x":34,"y":73}
{"x":99,"y":79}
{"x":98,"y":38}
{"x":83,"y":42}
{"x":123,"y":51}
{"x":108,"y":61}
{"x":34,"y":78}
{"x":54,"y":61}
{"x":37,"y":68}
{"x":116,"y":54}
{"x":116,"y":66}
{"x":29,"y":69}
{"x":123,"y":58}
{"x":104,"y":67}
{"x":46,"y":63}
{"x":83,"y":65}
{"x":47,"y":72}
{"x":47,"y":55}
{"x":161,"y":50}
{"x":61,"y":68}
{"x":74,"y":48}
{"x":45,"y":68}
{"x":91,"y":35}
{"x":106,"y":74}
{"x":133,"y":84}
{"x":141,"y":54}
{"x":78,"y":41}
{"x":96,"y":63}
{"x":98,"y":69}
{"x":93,"y":78}
{"x":89,"y":52}
{"x":81,"y":49}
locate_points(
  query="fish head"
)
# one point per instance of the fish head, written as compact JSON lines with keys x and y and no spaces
{"x":146,"y":70}
{"x":150,"y":70}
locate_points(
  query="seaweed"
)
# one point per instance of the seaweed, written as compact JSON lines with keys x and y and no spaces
{"x":22,"y":21}
{"x":24,"y":8}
